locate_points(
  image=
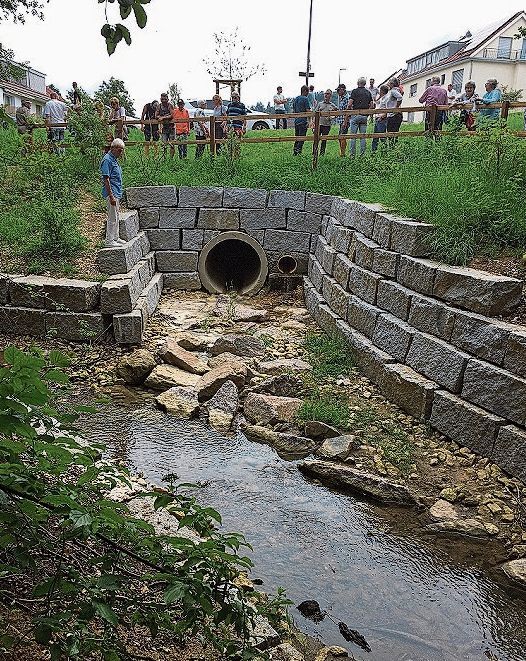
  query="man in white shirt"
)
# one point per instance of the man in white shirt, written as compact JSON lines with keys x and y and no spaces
{"x":280,"y":103}
{"x":55,"y":113}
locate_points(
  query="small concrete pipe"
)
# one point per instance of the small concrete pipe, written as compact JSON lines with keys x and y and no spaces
{"x":287,"y":265}
{"x":233,"y":261}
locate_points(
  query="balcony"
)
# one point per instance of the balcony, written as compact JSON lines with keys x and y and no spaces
{"x":503,"y":54}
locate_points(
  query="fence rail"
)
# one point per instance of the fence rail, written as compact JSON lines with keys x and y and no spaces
{"x":213,"y":140}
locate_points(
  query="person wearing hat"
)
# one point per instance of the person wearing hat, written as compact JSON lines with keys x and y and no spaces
{"x":343,"y":102}
{"x":22,"y":118}
{"x":111,"y":175}
{"x":182,"y":129}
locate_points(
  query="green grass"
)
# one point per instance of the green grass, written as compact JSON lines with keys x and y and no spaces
{"x":329,"y":356}
{"x":325,"y":408}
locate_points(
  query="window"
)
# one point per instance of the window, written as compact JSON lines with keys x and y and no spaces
{"x":428,"y":83}
{"x":9,"y":100}
{"x":522,"y":54}
{"x":412,"y":89}
{"x":443,"y":79}
{"x":457,"y":79}
{"x":504,"y":49}
{"x":39,"y":111}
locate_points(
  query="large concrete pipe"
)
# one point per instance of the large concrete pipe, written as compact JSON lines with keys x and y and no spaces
{"x":233,"y":261}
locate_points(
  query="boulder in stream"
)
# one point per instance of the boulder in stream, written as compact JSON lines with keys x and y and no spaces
{"x":357,"y":481}
{"x":269,"y":410}
{"x":320,"y":430}
{"x":291,"y":365}
{"x":516,"y":571}
{"x":136,"y":366}
{"x":214,"y":379}
{"x":288,"y":446}
{"x":240,"y":345}
{"x":174,"y":354}
{"x":223,"y":406}
{"x":167,"y":376}
{"x":180,"y":402}
{"x":463,"y":528}
{"x":339,"y":447}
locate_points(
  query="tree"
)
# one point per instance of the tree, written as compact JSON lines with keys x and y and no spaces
{"x":9,"y":69}
{"x":510,"y":94}
{"x":115,"y":87}
{"x":54,"y":88}
{"x":113,"y":33}
{"x":231,"y":59}
{"x":174,"y":93}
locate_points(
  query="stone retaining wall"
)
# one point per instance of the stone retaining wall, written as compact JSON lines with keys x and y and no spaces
{"x":423,"y":331}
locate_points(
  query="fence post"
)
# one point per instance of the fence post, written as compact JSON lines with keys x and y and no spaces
{"x":504,"y":111}
{"x":316,"y":143}
{"x":212,"y":136}
{"x":431,"y":119}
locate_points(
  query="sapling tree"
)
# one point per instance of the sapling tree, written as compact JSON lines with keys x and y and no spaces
{"x":231,"y":58}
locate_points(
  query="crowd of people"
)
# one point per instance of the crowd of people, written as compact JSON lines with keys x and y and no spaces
{"x":170,"y":124}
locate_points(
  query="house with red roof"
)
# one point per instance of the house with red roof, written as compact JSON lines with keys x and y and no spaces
{"x":28,"y":84}
{"x":490,"y":52}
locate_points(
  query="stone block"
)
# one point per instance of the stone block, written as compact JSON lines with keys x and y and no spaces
{"x":128,"y":225}
{"x":364,"y":284}
{"x":364,"y":249}
{"x":385,"y":262}
{"x":515,"y":351}
{"x":120,"y":295}
{"x":361,"y":315}
{"x":41,"y":292}
{"x":149,"y":218}
{"x":22,"y":321}
{"x":209,"y":235}
{"x":431,"y":316}
{"x":341,"y":239}
{"x":151,"y":196}
{"x":192,"y":239}
{"x":341,"y":270}
{"x":165,"y":239}
{"x":261,"y":219}
{"x":286,"y":241}
{"x":464,"y":423}
{"x":76,"y":327}
{"x":331,"y":227}
{"x":245,"y":198}
{"x":176,"y":261}
{"x":218,"y":219}
{"x":480,"y":336}
{"x":328,"y":257}
{"x":382,"y":229}
{"x":304,"y":221}
{"x":339,"y":299}
{"x":150,"y":296}
{"x":342,"y":210}
{"x":315,"y":273}
{"x":316,"y":203}
{"x":197,"y":197}
{"x":182,"y":281}
{"x":417,"y":274}
{"x":4,"y":288}
{"x":369,"y":358}
{"x":394,"y":298}
{"x":302,"y":260}
{"x":393,"y":336}
{"x":259,"y":235}
{"x":128,"y":328}
{"x":362,"y":217}
{"x":509,"y":451}
{"x":407,"y":389}
{"x":287,"y":199}
{"x":319,"y":248}
{"x":177,"y":218}
{"x":477,"y":291}
{"x":327,"y":319}
{"x":496,"y":390}
{"x":410,"y":237}
{"x":326,"y":288}
{"x":124,"y":258}
{"x":313,"y":299}
{"x":438,"y":361}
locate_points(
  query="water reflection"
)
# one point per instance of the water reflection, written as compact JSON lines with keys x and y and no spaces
{"x":414,"y":597}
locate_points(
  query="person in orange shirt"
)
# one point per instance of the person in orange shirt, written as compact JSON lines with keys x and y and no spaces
{"x":182,"y":129}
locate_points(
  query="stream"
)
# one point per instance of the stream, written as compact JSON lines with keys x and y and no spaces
{"x":414,"y":596}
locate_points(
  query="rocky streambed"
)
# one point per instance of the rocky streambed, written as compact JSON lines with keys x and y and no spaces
{"x":223,"y":374}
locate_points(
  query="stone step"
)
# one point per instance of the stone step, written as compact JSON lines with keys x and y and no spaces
{"x":42,"y":293}
{"x":128,"y":328}
{"x":120,"y":292}
{"x":128,"y":225}
{"x":121,"y":260}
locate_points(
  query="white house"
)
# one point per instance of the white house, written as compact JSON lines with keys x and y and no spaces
{"x":491,"y":52}
{"x":31,"y":87}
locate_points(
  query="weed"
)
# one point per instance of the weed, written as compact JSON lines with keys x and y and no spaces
{"x":328,"y":408}
{"x":329,"y":355}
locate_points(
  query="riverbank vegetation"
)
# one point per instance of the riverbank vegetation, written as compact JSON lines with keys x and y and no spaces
{"x":86,"y":577}
{"x":471,"y":188}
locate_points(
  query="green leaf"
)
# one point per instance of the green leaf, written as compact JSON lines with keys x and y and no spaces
{"x":140,"y":15}
{"x":125,"y":32}
{"x":80,"y":519}
{"x":125,"y":11}
{"x":56,"y":376}
{"x":174,"y":592}
{"x":106,"y":612}
{"x":109,"y":582}
{"x":58,"y":359}
{"x":43,"y":633}
{"x":163,"y":500}
{"x":106,"y":30}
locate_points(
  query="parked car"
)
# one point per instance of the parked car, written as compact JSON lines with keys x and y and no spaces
{"x":252,"y":124}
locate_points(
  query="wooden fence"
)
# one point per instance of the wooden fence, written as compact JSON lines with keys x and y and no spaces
{"x":314,"y":121}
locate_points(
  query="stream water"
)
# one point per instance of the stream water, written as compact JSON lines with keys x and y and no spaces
{"x":414,"y":597}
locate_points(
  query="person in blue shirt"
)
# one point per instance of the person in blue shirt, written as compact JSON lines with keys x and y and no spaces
{"x":493,"y":95}
{"x":237,"y":109}
{"x":301,"y":104}
{"x":111,"y":175}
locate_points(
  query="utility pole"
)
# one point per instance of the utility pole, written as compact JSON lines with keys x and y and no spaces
{"x":307,"y":70}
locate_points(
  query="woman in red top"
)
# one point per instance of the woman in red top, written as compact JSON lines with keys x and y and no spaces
{"x":182,"y":129}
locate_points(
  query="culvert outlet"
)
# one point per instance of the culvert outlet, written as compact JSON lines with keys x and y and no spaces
{"x":287,"y":265}
{"x":233,"y":261}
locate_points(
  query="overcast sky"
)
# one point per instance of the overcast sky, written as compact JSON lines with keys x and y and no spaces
{"x":367,"y":39}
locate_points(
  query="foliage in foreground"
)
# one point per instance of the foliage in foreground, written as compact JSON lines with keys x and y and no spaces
{"x":88,"y":572}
